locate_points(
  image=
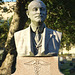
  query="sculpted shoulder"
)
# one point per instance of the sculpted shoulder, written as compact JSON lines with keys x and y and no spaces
{"x":57,"y":34}
{"x":21,"y":32}
{"x":19,"y":36}
{"x":51,"y":30}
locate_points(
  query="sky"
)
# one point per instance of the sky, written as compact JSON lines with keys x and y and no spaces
{"x":8,"y":0}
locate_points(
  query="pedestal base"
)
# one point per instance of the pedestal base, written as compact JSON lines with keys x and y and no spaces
{"x":37,"y":66}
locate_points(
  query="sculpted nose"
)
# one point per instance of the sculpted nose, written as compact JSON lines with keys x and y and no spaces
{"x":39,"y":11}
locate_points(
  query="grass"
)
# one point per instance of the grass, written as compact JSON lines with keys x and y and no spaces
{"x":64,"y":68}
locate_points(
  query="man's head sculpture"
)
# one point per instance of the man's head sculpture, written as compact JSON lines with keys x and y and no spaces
{"x":37,"y":11}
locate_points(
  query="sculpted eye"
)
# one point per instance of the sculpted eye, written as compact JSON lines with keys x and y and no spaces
{"x":35,"y":9}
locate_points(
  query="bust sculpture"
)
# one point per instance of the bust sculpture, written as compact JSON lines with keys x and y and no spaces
{"x":37,"y":39}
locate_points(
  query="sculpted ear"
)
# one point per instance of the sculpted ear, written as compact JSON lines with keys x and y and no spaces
{"x":27,"y":12}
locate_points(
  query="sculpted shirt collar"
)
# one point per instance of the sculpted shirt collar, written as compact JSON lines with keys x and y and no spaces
{"x":40,"y":28}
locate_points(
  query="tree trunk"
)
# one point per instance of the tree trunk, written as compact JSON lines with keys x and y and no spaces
{"x":18,"y":23}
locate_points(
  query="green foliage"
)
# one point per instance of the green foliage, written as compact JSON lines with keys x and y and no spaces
{"x":65,"y":68}
{"x":3,"y":33}
{"x":4,"y":28}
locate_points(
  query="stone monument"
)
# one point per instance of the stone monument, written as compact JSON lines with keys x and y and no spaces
{"x":37,"y":41}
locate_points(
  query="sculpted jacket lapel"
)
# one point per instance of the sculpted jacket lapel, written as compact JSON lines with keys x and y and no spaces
{"x":43,"y":41}
{"x":47,"y":35}
{"x":29,"y":44}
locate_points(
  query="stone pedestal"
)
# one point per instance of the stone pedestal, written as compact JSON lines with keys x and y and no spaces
{"x":37,"y":66}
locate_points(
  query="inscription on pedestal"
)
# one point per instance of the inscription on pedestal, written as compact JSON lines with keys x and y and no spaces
{"x":39,"y":65}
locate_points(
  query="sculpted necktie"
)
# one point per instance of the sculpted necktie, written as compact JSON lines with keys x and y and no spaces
{"x":37,"y":36}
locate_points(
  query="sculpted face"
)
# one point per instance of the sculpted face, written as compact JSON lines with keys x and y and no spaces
{"x":37,"y":11}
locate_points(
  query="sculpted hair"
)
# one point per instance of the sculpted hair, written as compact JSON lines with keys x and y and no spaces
{"x":39,"y":1}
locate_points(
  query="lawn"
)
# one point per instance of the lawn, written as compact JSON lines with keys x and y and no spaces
{"x":64,"y":68}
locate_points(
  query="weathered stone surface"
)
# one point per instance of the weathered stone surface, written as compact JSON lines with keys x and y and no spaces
{"x":37,"y":66}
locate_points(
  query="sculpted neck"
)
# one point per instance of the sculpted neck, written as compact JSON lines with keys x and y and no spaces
{"x":34,"y":26}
